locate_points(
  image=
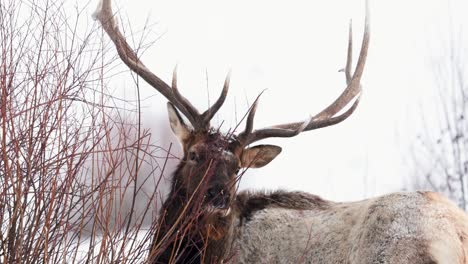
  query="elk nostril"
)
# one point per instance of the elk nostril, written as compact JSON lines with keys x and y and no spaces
{"x":218,"y":197}
{"x":212,"y":193}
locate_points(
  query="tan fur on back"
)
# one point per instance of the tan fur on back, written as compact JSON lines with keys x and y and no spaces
{"x":421,"y":227}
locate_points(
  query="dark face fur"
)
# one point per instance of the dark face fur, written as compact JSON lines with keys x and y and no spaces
{"x":209,"y":168}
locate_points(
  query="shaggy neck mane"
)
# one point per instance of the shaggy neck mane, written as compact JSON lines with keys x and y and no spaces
{"x":176,"y":227}
{"x":178,"y":232}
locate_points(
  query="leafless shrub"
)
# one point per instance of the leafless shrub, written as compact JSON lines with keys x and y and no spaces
{"x":70,"y":158}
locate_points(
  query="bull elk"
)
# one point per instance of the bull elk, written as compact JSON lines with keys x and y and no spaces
{"x":205,"y":220}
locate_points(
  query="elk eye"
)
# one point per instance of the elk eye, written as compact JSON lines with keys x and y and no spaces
{"x":192,"y":156}
{"x":237,"y":171}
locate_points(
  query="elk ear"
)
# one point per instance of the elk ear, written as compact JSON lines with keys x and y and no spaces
{"x":180,"y":129}
{"x":259,"y":156}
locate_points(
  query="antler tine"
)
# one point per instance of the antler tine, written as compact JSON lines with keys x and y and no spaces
{"x":105,"y":16}
{"x":327,"y":117}
{"x":183,"y":101}
{"x":245,"y":135}
{"x":349,"y":59}
{"x":210,"y":112}
{"x":354,"y":86}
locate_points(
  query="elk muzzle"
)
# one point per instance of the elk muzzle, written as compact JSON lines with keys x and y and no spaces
{"x":218,"y":201}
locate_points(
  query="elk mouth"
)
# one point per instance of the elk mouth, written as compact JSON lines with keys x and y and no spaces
{"x":219,"y":211}
{"x":217,"y":202}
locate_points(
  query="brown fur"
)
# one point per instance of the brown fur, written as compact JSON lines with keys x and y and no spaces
{"x":187,"y":231}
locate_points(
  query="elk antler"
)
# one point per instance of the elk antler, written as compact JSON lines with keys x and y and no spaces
{"x":326,"y":117}
{"x":199,"y":121}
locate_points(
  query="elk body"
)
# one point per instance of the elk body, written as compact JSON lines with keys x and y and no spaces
{"x":205,"y":220}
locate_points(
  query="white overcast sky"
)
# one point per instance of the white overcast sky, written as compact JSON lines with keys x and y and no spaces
{"x":294,"y":49}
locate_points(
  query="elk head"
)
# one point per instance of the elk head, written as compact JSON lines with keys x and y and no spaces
{"x":208,"y":170}
{"x":211,"y":159}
